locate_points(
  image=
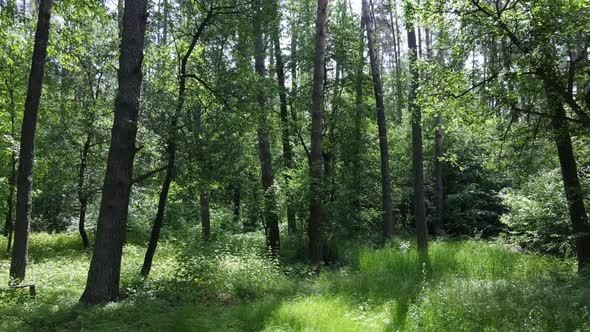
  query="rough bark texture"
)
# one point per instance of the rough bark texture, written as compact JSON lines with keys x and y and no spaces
{"x":105,"y":268}
{"x":82,"y":193}
{"x":285,"y":125}
{"x":417,"y":155}
{"x":271,"y":218}
{"x":569,"y":173}
{"x":317,"y":112}
{"x":381,"y":123}
{"x":24,"y":182}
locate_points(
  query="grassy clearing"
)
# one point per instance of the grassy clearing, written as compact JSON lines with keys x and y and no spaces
{"x":229,"y":285}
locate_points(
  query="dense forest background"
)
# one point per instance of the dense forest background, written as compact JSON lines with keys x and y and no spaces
{"x":317,"y":125}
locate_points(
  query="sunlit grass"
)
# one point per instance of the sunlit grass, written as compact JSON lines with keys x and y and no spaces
{"x":232,"y":285}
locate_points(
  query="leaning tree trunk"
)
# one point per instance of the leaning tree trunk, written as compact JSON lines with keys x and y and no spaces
{"x":171,"y":151}
{"x":417,"y":154}
{"x":105,"y":268}
{"x":269,"y":196}
{"x":381,"y":123}
{"x":569,"y":173}
{"x":317,"y":113}
{"x":22,"y":226}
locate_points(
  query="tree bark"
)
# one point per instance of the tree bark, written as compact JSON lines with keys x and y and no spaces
{"x":358,"y":117}
{"x":317,"y":112}
{"x":8,"y":225}
{"x":439,"y":175}
{"x":105,"y":268}
{"x":417,"y":154}
{"x":285,"y":125}
{"x":381,"y":123}
{"x":569,"y":173}
{"x":22,"y":227}
{"x":82,"y":194}
{"x":237,"y":198}
{"x":269,"y":196}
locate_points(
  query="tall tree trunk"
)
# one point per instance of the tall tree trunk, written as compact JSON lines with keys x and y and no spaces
{"x":82,"y":194}
{"x":269,"y":196}
{"x":358,"y":117}
{"x":398,"y":65}
{"x":417,"y":154}
{"x":8,"y":225}
{"x":171,"y":150}
{"x":22,"y":227}
{"x":317,"y":113}
{"x":285,"y":125}
{"x":569,"y":173}
{"x":381,"y":123}
{"x":439,"y":164}
{"x":105,"y":268}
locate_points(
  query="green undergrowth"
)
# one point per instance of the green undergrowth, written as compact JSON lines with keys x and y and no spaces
{"x":232,"y":285}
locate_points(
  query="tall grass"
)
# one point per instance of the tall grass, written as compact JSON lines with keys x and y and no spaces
{"x":231,"y":285}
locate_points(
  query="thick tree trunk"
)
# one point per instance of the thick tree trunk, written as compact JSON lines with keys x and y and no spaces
{"x":285,"y":125}
{"x":269,"y":196}
{"x":417,"y":155}
{"x":205,"y":216}
{"x":105,"y":268}
{"x":317,"y":113}
{"x":22,"y":227}
{"x":569,"y":173}
{"x":82,"y":194}
{"x":381,"y":123}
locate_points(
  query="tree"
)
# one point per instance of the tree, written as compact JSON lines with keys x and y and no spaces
{"x":105,"y":268}
{"x":18,"y":264}
{"x":381,"y":123}
{"x":417,"y":154}
{"x":317,"y":112}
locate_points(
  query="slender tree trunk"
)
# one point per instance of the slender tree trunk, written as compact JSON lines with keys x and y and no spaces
{"x":205,"y":216}
{"x":317,"y":112}
{"x":358,"y":117}
{"x":237,"y":198}
{"x":269,"y":196}
{"x":381,"y":123}
{"x":285,"y":125}
{"x":439,"y":164}
{"x":569,"y":173}
{"x":22,"y":227}
{"x":417,"y":154}
{"x":82,"y":194}
{"x":105,"y":268}
{"x":8,"y":225}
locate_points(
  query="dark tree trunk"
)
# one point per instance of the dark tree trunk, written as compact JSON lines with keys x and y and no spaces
{"x":82,"y":194}
{"x":285,"y":125}
{"x":237,"y":198}
{"x":105,"y":268}
{"x":205,"y":216}
{"x":569,"y":173}
{"x":397,"y":49}
{"x":271,"y":218}
{"x":358,"y":117}
{"x":22,"y":227}
{"x":417,"y":155}
{"x":381,"y":123}
{"x":171,"y":151}
{"x":317,"y":113}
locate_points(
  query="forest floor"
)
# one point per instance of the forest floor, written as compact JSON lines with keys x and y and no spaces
{"x":229,"y":285}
